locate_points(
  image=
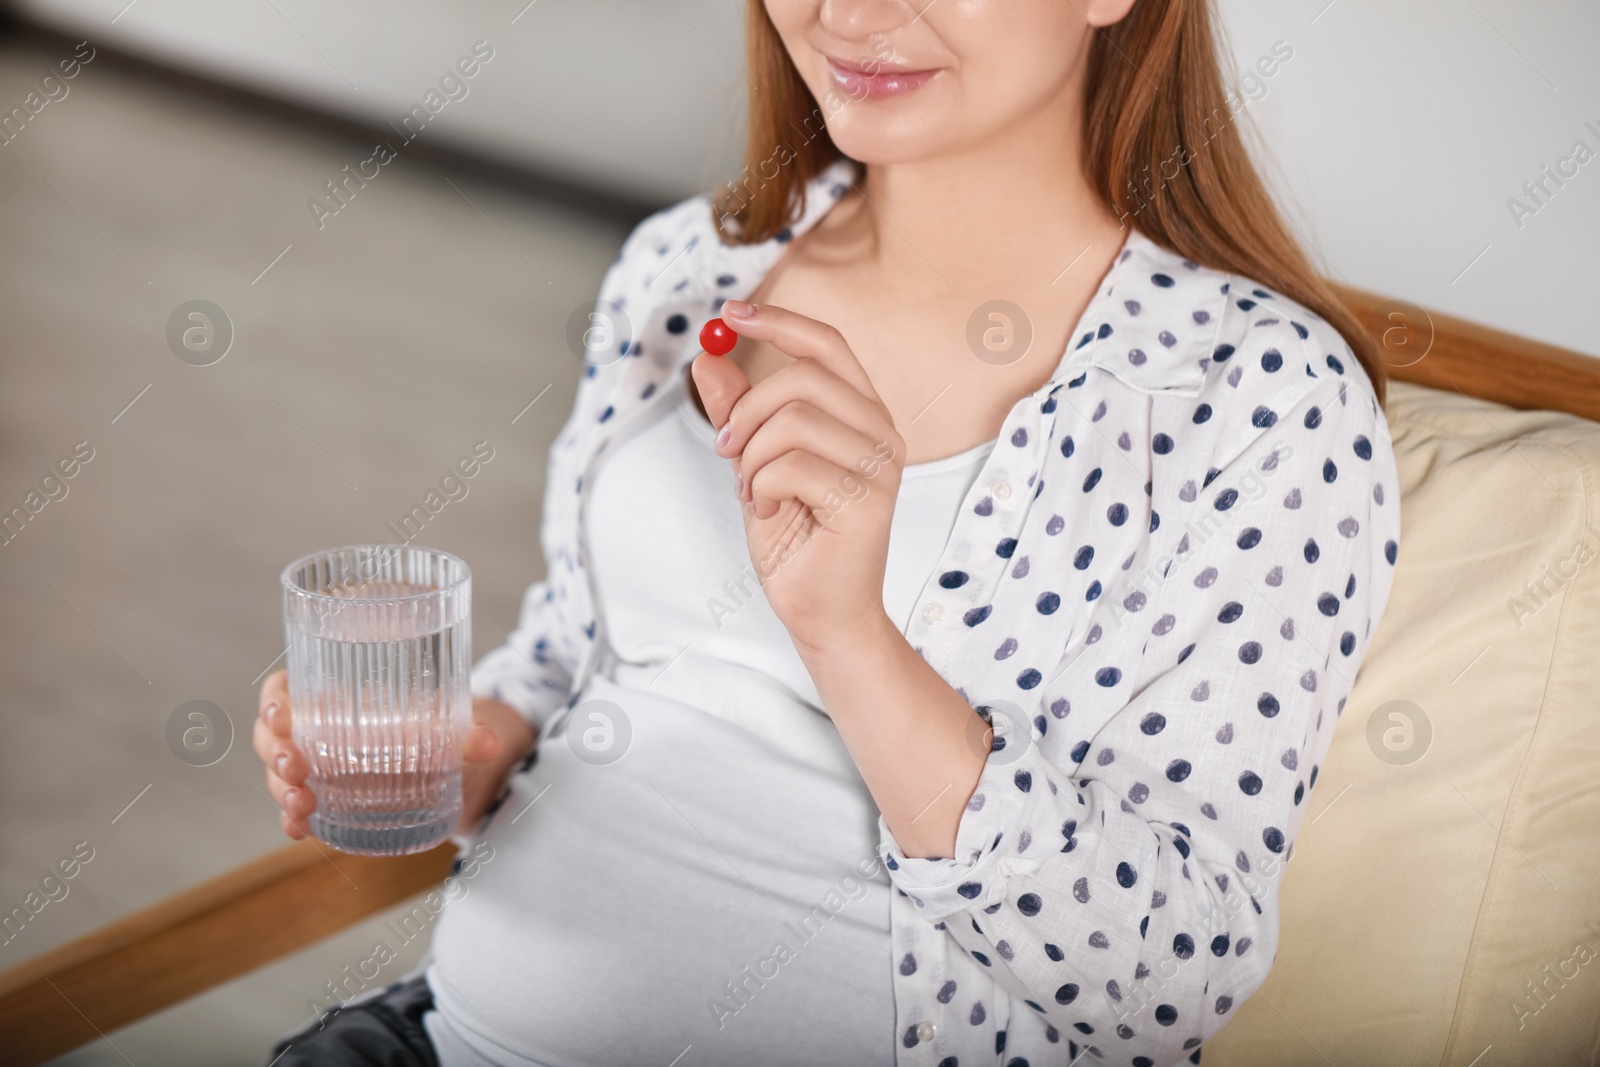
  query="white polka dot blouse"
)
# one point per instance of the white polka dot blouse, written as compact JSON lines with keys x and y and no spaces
{"x":1159,"y":592}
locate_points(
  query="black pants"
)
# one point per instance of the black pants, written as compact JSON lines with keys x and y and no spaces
{"x":385,"y":1031}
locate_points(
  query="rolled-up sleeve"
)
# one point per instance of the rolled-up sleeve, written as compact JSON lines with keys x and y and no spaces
{"x":1126,"y":887}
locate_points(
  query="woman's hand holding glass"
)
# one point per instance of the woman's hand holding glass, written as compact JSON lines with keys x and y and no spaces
{"x":498,"y":739}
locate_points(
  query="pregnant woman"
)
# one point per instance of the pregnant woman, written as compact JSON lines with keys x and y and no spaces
{"x":941,"y":676}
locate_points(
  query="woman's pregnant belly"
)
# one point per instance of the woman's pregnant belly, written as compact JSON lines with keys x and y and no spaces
{"x":704,"y":892}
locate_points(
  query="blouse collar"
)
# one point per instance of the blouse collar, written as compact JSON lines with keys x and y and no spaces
{"x":1151,"y":323}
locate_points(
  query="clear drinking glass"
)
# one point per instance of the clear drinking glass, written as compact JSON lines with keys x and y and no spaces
{"x":380,"y":640}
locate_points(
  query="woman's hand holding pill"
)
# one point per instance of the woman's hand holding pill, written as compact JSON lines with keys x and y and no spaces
{"x":817,"y":464}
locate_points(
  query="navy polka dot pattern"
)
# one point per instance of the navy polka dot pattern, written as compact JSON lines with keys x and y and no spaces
{"x":1164,"y":633}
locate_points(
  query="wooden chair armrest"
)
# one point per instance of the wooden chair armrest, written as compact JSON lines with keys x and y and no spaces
{"x":1437,"y":350}
{"x":200,"y":938}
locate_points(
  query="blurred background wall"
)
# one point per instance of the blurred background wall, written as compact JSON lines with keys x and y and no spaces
{"x":373,"y":347}
{"x":634,"y":97}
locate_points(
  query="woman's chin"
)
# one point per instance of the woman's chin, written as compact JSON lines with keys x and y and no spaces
{"x":877,"y":143}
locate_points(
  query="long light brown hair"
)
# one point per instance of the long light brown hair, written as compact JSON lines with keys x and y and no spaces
{"x":1160,"y":147}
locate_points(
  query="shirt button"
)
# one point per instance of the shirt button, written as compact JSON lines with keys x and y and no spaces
{"x":1002,"y":490}
{"x":926,"y":1031}
{"x":932,"y":613}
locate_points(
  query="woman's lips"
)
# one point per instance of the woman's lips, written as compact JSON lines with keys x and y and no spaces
{"x":875,"y":81}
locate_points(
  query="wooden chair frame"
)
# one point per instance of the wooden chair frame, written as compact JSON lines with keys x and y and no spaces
{"x":304,"y":892}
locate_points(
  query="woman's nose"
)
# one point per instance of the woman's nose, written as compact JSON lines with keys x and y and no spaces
{"x":853,"y":20}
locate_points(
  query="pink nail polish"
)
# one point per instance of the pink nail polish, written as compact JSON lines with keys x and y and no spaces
{"x":724,"y":435}
{"x":738,"y":309}
{"x":738,"y":486}
{"x":290,"y":795}
{"x":280,"y":762}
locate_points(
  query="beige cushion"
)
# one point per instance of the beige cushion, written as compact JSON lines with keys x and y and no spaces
{"x":1438,"y":908}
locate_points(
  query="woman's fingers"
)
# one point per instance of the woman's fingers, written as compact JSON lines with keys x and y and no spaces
{"x":274,"y":690}
{"x":822,"y":402}
{"x":482,"y":745}
{"x":280,"y":755}
{"x":278,"y":720}
{"x":803,"y":476}
{"x":275,"y":703}
{"x":811,"y":382}
{"x":798,"y":426}
{"x":799,"y":336}
{"x":286,"y":773}
{"x":295,"y":801}
{"x":271,"y":737}
{"x":720,"y":384}
{"x":286,"y":767}
{"x":295,"y":804}
{"x":290,"y":764}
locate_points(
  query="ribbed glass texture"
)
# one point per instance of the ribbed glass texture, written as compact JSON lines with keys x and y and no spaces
{"x":380,"y":645}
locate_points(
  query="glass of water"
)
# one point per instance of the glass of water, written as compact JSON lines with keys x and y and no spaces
{"x":380,"y":640}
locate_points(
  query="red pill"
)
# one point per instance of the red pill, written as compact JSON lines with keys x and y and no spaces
{"x":717,"y":337}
